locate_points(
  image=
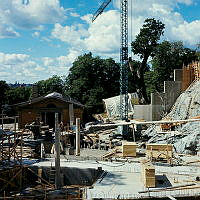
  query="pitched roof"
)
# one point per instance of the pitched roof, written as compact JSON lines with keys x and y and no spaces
{"x":53,"y":95}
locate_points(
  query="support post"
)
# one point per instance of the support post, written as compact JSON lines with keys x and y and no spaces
{"x":57,"y":156}
{"x":71,"y":115}
{"x":15,"y":124}
{"x":2,"y":119}
{"x":134,"y":132}
{"x":77,"y":136}
{"x":39,"y":175}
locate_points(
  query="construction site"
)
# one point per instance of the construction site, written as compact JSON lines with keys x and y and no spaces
{"x":157,"y":159}
{"x":131,"y":151}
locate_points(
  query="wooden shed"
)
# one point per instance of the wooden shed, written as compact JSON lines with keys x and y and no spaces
{"x":44,"y":109}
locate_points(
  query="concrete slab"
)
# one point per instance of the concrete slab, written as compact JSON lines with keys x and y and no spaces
{"x":123,"y":179}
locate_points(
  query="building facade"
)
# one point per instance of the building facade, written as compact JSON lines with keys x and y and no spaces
{"x":43,"y":109}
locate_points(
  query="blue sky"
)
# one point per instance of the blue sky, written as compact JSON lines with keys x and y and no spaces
{"x":44,"y":37}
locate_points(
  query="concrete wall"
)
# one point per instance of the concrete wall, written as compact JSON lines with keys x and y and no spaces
{"x":143,"y":112}
{"x":161,"y":103}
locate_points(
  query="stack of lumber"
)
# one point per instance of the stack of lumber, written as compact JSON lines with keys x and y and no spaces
{"x":148,"y":174}
{"x":129,"y":149}
{"x":159,"y":151}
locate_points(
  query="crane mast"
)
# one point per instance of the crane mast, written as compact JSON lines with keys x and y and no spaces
{"x":124,"y":60}
{"x":123,"y":54}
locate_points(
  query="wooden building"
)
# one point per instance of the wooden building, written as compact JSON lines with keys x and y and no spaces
{"x":43,"y":109}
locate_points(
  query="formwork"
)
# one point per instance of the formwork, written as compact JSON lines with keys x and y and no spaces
{"x":191,"y":73}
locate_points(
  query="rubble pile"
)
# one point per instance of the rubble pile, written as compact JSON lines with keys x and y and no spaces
{"x":185,"y":137}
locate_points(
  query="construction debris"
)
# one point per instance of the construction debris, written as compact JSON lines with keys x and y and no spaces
{"x":185,"y":137}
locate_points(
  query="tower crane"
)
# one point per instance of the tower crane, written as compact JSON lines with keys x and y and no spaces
{"x":123,"y":54}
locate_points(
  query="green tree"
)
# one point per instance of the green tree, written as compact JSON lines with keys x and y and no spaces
{"x":144,"y":46}
{"x":198,"y":51}
{"x":4,"y":87}
{"x":53,"y":84}
{"x":17,"y":95}
{"x":92,"y":79}
{"x":169,"y":56}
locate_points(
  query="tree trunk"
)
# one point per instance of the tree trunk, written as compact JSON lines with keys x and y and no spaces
{"x":142,"y":86}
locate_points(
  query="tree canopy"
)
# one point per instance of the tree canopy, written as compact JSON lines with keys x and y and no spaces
{"x":169,"y":56}
{"x":53,"y":84}
{"x":4,"y":87}
{"x":17,"y":95}
{"x":92,"y":79}
{"x":145,"y":46}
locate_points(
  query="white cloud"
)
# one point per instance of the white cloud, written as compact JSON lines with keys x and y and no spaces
{"x":47,"y":61}
{"x":189,"y":32}
{"x":24,"y":68}
{"x":73,"y":14}
{"x":101,"y":36}
{"x":14,"y":14}
{"x":104,"y":34}
{"x":7,"y":32}
{"x":36,"y":34}
{"x":73,"y":35}
{"x":20,"y":67}
{"x":12,"y":58}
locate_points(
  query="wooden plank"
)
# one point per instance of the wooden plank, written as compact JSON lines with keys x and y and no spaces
{"x":171,"y":197}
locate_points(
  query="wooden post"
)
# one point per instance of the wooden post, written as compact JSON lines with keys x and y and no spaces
{"x":39,"y":175}
{"x":2,"y":119}
{"x":15,"y":136}
{"x":21,"y":148}
{"x":77,"y":136}
{"x":57,"y":156}
{"x":134,"y":132}
{"x":15,"y":124}
{"x":2,"y":142}
{"x":9,"y":144}
{"x":71,"y":115}
{"x":21,"y":162}
{"x":41,"y":150}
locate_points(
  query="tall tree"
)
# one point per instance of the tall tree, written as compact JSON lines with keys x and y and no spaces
{"x":92,"y":79}
{"x":144,"y":46}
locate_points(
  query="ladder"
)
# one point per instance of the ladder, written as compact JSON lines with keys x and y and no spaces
{"x":52,"y":175}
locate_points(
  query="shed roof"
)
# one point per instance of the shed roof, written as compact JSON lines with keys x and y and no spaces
{"x":54,"y":95}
